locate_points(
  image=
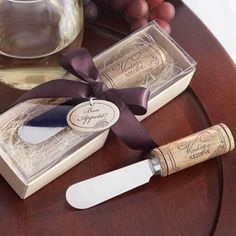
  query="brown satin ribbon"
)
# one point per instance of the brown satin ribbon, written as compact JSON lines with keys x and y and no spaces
{"x":130,"y":101}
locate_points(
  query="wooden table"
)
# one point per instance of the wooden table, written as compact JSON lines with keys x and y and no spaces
{"x":196,"y":201}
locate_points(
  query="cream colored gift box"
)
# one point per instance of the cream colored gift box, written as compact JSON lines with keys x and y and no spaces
{"x":179,"y":69}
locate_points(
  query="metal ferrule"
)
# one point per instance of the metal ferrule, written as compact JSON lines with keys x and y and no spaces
{"x":155,"y":165}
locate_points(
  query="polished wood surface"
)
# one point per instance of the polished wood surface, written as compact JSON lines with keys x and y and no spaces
{"x":197,"y":201}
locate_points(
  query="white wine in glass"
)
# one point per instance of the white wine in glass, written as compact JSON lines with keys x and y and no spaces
{"x":32,"y":34}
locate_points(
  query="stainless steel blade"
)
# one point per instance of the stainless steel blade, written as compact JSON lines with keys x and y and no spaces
{"x":36,"y":135}
{"x":96,"y":190}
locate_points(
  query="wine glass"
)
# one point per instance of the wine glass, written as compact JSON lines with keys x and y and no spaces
{"x":35,"y":29}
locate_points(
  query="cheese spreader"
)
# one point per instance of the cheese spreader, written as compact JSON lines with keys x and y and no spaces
{"x":163,"y":161}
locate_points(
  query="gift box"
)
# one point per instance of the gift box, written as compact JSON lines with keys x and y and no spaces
{"x":147,"y":58}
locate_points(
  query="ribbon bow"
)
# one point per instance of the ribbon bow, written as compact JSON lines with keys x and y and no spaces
{"x":130,"y":101}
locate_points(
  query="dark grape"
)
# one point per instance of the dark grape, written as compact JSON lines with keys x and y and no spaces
{"x":137,"y":9}
{"x":164,"y":25}
{"x":127,"y":18}
{"x":136,"y":12}
{"x":165,"y":11}
{"x":102,"y":2}
{"x":85,"y":2}
{"x":138,"y":23}
{"x":119,"y":5}
{"x":90,"y":11}
{"x":153,"y":3}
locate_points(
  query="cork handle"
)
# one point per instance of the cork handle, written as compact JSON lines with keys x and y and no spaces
{"x":194,"y":149}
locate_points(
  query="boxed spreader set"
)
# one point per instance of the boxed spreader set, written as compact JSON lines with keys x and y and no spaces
{"x":31,"y":157}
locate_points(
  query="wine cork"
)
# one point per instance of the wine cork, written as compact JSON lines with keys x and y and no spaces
{"x":135,"y":68}
{"x":194,"y":149}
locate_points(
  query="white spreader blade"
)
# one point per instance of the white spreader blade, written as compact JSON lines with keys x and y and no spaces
{"x":36,"y":135}
{"x":96,"y":190}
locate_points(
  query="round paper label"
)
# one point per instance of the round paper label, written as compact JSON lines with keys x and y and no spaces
{"x":93,"y":116}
